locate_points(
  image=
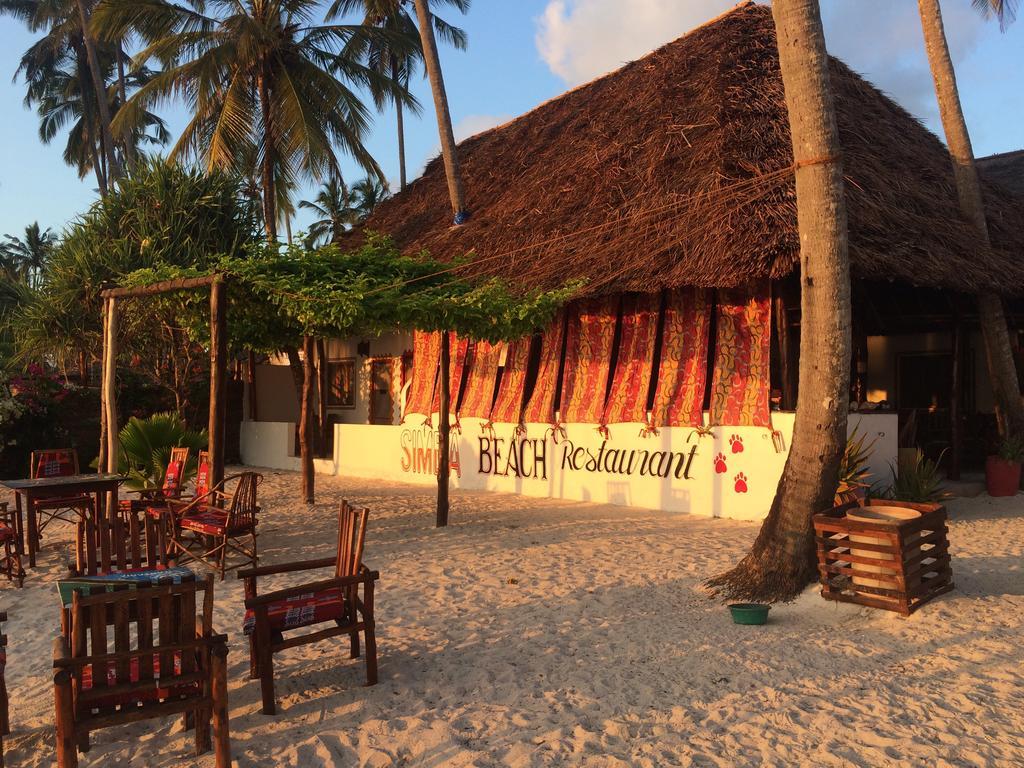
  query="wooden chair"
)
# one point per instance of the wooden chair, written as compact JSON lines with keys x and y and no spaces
{"x":165,"y":660}
{"x":10,"y":563}
{"x":5,"y":717}
{"x":269,"y":616}
{"x":155,"y":508}
{"x":215,"y":523}
{"x":170,"y":488}
{"x":108,"y":546}
{"x":58,"y":462}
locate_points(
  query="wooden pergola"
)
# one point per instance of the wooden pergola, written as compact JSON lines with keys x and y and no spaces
{"x":112,"y":298}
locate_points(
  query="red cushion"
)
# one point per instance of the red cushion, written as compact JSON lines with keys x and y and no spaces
{"x":211,"y":521}
{"x":133,"y":676}
{"x":55,"y":464}
{"x":300,"y":611}
{"x":6,"y":533}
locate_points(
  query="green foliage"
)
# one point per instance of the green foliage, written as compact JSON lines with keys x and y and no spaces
{"x":146,"y":448}
{"x":1012,"y":449}
{"x":853,"y":469}
{"x":916,"y":479}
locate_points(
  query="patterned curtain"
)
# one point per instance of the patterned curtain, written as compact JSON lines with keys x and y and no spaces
{"x":457,"y":364}
{"x":588,"y":357}
{"x":541,"y":407}
{"x":627,"y":400}
{"x":426,"y":353}
{"x":508,"y":405}
{"x":483,"y":372}
{"x":682,"y":373}
{"x":741,"y":383}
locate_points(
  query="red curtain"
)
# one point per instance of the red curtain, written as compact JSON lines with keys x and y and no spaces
{"x":457,"y":364}
{"x":682,"y":372}
{"x":426,"y":351}
{"x":483,"y":372}
{"x":627,"y":400}
{"x":588,"y":357}
{"x":508,"y":405}
{"x":541,"y":407}
{"x":740,"y":387}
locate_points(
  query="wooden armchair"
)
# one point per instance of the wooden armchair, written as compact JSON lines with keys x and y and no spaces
{"x":270,"y":615}
{"x":5,"y":717}
{"x":215,"y":523}
{"x":58,"y":462}
{"x":165,"y":660}
{"x":115,"y":545}
{"x":156,"y":509}
{"x":10,"y":563}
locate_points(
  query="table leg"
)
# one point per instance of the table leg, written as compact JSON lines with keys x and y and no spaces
{"x":33,"y":532}
{"x":19,"y":523}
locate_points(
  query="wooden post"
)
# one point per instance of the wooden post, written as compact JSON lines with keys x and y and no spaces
{"x":67,"y":754}
{"x":219,"y":686}
{"x":101,"y":462}
{"x":443,"y":431}
{"x":306,"y":421}
{"x":321,"y":399}
{"x":110,"y":402}
{"x":956,"y":385}
{"x":218,"y":377}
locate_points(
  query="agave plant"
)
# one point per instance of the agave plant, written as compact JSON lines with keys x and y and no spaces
{"x":146,"y":448}
{"x":916,"y":480}
{"x":853,"y":468}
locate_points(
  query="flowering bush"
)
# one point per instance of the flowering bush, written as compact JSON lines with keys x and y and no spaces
{"x":31,"y":416}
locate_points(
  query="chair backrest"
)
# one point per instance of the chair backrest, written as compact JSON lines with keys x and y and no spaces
{"x":203,"y":474}
{"x":53,"y":462}
{"x":155,"y":632}
{"x":108,"y":546}
{"x":175,"y":473}
{"x":243,"y":508}
{"x":351,"y":535}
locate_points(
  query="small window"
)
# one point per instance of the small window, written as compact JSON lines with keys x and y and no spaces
{"x":341,"y":383}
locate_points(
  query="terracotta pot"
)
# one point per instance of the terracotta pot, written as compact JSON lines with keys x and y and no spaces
{"x":1002,"y":477}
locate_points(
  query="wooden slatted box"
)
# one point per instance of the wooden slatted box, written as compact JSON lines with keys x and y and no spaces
{"x":895,"y":566}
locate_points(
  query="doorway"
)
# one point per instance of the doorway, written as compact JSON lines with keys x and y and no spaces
{"x":382,"y":400}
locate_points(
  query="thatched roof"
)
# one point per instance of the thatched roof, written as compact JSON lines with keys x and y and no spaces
{"x":630,"y":181}
{"x":1006,"y":169}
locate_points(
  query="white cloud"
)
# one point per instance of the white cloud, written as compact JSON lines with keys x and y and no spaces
{"x":471,"y":125}
{"x":581,"y":39}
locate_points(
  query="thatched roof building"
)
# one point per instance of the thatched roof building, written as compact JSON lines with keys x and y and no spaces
{"x":673,"y":171}
{"x":1006,"y":169}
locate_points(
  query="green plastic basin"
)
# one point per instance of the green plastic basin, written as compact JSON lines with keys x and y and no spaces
{"x":749,"y":613}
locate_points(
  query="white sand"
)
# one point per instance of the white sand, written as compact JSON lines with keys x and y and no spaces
{"x":536,"y":632}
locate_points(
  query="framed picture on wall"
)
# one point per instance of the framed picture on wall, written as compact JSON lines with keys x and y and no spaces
{"x":341,"y":383}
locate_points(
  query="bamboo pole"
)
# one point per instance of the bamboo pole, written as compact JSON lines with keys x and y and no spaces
{"x":101,"y":461}
{"x":218,"y":376}
{"x":110,"y":401}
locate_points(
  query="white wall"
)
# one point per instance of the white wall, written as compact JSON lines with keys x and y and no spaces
{"x":732,"y":473}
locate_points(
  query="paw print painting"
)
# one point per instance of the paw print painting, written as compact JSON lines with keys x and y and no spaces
{"x":720,"y":466}
{"x":741,"y":483}
{"x":736,"y":442}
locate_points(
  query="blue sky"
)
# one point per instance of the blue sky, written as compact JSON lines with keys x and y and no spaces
{"x":524,"y":52}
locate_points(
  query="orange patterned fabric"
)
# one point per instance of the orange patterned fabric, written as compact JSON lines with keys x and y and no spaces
{"x":682,"y":372}
{"x":483,"y":373}
{"x":508,"y":405}
{"x":426,"y":351}
{"x":541,"y":407}
{"x":456,"y":365}
{"x":627,"y":400}
{"x":590,"y":335}
{"x":741,"y":383}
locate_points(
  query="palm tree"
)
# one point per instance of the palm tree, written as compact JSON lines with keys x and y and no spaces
{"x":398,"y":65}
{"x":998,"y":352}
{"x":261,"y":78}
{"x":782,"y":559}
{"x":1004,"y":10}
{"x":99,"y":86}
{"x":367,"y":194}
{"x":331,"y":205}
{"x":29,"y":256}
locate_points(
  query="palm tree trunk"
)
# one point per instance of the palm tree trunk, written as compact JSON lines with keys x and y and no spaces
{"x":267,"y":170}
{"x":400,"y":122}
{"x":443,"y":431}
{"x":101,"y":91}
{"x":782,"y":560}
{"x":306,"y":421}
{"x":122,"y":86}
{"x":444,"y":118}
{"x":998,"y":353}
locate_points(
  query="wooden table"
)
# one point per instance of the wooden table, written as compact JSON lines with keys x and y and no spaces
{"x":41,"y":488}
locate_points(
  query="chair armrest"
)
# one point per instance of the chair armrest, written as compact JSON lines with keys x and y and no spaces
{"x":300,"y":565}
{"x":61,"y":652}
{"x":317,"y":586}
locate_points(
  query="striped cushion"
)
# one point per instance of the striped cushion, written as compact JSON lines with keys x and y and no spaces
{"x":300,"y":611}
{"x":133,"y":675}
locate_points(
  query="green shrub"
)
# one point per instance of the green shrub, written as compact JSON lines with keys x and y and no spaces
{"x":917,"y":480}
{"x":146,"y":448}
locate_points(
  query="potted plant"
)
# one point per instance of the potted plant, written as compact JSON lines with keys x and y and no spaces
{"x":1002,"y":471}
